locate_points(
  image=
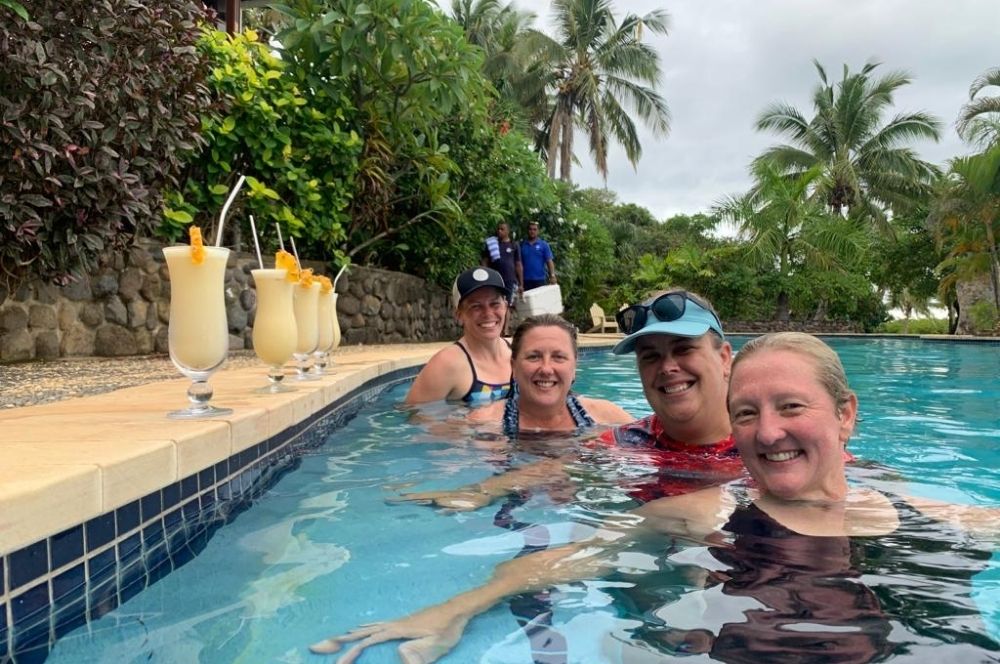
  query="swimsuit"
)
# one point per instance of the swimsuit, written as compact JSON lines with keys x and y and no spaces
{"x":480,"y":392}
{"x":512,"y":416}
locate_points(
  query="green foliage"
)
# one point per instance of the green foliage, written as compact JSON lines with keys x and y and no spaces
{"x":294,"y":143}
{"x":408,"y":71}
{"x":99,"y":103}
{"x":915,"y":326}
{"x":983,"y":316}
{"x":15,"y":7}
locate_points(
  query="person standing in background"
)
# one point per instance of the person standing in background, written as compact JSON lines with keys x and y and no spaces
{"x":502,"y":254}
{"x":536,"y":255}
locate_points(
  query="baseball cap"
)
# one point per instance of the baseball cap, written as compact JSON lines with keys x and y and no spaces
{"x":474,"y":279}
{"x":675,"y":314}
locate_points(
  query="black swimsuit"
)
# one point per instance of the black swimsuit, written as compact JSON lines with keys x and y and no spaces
{"x":479,"y":391}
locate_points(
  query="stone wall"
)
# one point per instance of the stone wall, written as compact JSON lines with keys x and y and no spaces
{"x":811,"y":326}
{"x":123,"y":309}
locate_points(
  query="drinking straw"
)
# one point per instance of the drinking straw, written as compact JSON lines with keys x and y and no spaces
{"x":256,"y":243}
{"x":295,"y":251}
{"x":337,"y":278}
{"x":225,"y":208}
{"x":280,"y":241}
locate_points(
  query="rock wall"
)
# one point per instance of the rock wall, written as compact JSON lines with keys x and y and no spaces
{"x":124,"y":306}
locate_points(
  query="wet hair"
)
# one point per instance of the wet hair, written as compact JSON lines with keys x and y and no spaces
{"x":829,"y":370}
{"x":541,"y":320}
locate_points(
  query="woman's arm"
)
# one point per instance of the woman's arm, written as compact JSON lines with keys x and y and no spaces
{"x":983,"y":522}
{"x":446,"y":376}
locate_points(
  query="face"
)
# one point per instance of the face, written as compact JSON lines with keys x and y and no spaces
{"x":545,"y":366}
{"x":482,"y":312}
{"x":532,"y":231}
{"x":684,"y":381}
{"x":503,"y":232}
{"x":787,"y":427}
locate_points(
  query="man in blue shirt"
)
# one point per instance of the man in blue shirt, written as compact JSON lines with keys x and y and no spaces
{"x":536,"y":256}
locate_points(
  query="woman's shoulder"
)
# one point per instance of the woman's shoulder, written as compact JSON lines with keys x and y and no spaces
{"x":605,"y":412}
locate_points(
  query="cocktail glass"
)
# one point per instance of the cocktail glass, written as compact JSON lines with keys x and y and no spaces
{"x":198,"y":336}
{"x":305,"y":303}
{"x":275,"y":333}
{"x":329,"y":332}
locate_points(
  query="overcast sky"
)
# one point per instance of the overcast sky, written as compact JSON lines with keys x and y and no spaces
{"x":724,"y":61}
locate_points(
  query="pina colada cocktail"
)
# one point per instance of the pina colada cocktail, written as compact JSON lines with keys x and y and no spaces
{"x":275,"y":333}
{"x":198,"y":336}
{"x":306,"y":305}
{"x":329,"y":331}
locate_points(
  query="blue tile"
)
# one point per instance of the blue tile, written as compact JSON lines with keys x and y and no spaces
{"x":30,"y":611}
{"x":66,"y":547}
{"x":3,"y":582}
{"x":132,"y":577}
{"x":150,"y":506}
{"x":130,"y":549}
{"x":192,"y":511}
{"x":221,"y":470}
{"x":158,"y":564}
{"x":127,"y":517}
{"x":171,"y":495}
{"x":35,"y":653}
{"x":172,"y":521}
{"x":189,"y":486}
{"x":28,"y":564}
{"x":100,"y":530}
{"x":152,"y":535}
{"x":69,"y":586}
{"x":67,"y":618}
{"x":103,"y":599}
{"x":132,"y":587}
{"x":208,"y":503}
{"x":3,"y":630}
{"x":206,"y":479}
{"x":101,"y":567}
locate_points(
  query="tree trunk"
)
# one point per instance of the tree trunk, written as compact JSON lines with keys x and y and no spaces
{"x":781,"y":313}
{"x":566,"y":149}
{"x":553,"y":150}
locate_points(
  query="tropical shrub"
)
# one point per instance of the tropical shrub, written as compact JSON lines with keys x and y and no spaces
{"x":915,"y":326}
{"x":99,"y":105}
{"x":294,"y":144}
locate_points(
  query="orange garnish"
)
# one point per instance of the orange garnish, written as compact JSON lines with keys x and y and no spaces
{"x":285,"y":261}
{"x":197,"y":246}
{"x":325,"y":285}
{"x":306,"y":278}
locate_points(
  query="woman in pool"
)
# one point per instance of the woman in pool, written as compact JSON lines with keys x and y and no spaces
{"x":476,"y":368}
{"x":788,"y":551}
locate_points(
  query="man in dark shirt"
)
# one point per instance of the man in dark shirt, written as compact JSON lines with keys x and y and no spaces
{"x":504,"y":255}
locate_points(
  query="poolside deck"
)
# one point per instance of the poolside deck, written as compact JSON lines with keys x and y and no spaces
{"x":66,"y":462}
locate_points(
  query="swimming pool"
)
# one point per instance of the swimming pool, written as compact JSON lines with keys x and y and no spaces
{"x":321,"y":552}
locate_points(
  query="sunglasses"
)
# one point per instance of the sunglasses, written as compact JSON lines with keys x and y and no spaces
{"x":666,"y":308}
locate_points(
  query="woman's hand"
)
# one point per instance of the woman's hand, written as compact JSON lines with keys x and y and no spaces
{"x":459,"y":500}
{"x":428,"y":636}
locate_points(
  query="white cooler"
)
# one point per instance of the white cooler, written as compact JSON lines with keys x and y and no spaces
{"x":541,"y":300}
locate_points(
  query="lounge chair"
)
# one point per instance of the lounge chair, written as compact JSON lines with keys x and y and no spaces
{"x":601,"y":322}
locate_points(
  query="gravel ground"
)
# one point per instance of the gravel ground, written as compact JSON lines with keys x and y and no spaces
{"x":32,"y":383}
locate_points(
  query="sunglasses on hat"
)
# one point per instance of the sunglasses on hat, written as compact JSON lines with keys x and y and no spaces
{"x":665,"y":308}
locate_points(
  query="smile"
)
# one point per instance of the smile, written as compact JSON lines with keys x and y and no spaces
{"x":783,"y":456}
{"x":545,"y":383}
{"x":677,"y":389}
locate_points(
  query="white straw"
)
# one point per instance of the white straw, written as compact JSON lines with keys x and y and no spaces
{"x":225,"y":208}
{"x":295,"y":251}
{"x":280,"y":241}
{"x":256,"y":243}
{"x":337,"y":278}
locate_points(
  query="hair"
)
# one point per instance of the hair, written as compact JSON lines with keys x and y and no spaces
{"x":541,"y":320}
{"x":829,"y":370}
{"x":702,"y":301}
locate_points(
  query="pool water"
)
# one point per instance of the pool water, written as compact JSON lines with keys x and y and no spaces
{"x":321,"y":552}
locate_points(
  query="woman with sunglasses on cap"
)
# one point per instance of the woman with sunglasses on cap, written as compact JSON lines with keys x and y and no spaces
{"x":683,"y":361}
{"x":797,"y":565}
{"x":476,"y":368}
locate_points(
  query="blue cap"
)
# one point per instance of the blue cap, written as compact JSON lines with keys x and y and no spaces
{"x":696,"y":321}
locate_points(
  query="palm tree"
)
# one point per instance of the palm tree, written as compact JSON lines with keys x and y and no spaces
{"x":865,"y":164}
{"x":966,"y":217}
{"x":785,"y":228}
{"x":594,"y":67}
{"x":979,"y":121}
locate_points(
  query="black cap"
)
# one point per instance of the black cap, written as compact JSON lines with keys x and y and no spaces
{"x":474,"y":279}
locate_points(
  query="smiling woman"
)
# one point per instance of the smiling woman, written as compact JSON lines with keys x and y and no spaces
{"x":477,"y":367}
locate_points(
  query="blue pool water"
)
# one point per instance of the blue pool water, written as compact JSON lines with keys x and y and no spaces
{"x":322,"y":552}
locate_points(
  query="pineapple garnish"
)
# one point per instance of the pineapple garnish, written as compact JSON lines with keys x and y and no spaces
{"x":285,"y":261}
{"x":197,"y":246}
{"x":325,"y":285}
{"x":306,"y":277}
